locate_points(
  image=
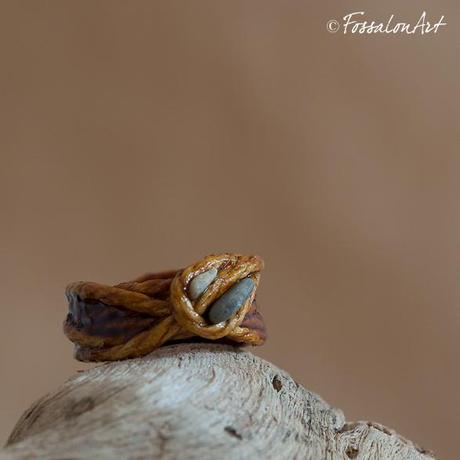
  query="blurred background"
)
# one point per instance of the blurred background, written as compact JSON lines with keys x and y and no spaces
{"x":140,"y":136}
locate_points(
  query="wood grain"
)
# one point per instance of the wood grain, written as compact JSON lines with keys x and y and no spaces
{"x":195,"y":401}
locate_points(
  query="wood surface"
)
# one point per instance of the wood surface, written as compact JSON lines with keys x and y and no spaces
{"x":195,"y":401}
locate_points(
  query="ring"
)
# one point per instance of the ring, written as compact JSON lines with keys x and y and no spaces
{"x":213,"y":299}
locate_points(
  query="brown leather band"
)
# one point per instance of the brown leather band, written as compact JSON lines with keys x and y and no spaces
{"x":133,"y":318}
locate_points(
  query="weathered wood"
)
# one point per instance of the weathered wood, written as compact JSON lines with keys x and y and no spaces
{"x":195,"y":401}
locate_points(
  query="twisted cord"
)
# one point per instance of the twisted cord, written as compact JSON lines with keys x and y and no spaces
{"x":156,"y":308}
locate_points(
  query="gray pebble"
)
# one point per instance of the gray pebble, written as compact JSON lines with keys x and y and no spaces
{"x":200,"y":283}
{"x":231,"y":301}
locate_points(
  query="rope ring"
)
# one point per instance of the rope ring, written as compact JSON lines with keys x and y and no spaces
{"x":133,"y":318}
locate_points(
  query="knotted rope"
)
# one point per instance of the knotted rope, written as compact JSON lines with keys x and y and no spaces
{"x":131,"y":319}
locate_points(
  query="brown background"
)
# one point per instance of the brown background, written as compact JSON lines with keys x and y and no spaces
{"x":140,"y":136}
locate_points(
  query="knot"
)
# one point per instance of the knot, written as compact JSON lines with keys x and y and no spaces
{"x":210,"y":300}
{"x":229,"y":269}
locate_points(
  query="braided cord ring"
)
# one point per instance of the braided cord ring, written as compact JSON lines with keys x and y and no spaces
{"x":213,"y":299}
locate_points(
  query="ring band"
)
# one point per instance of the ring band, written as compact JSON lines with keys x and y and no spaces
{"x":213,"y":299}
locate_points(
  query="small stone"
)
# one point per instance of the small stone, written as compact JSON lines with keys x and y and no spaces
{"x":200,"y":283}
{"x":231,"y":301}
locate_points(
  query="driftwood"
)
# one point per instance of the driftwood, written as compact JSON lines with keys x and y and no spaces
{"x":195,"y":401}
